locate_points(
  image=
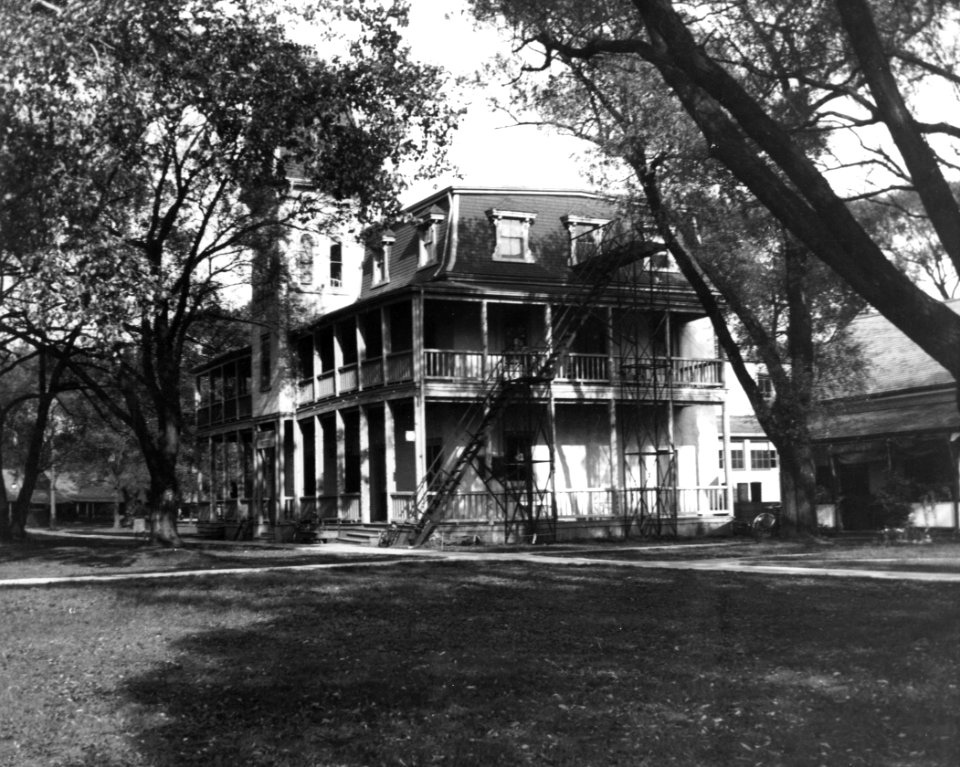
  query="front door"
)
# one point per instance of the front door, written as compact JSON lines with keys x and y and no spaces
{"x":853,"y":508}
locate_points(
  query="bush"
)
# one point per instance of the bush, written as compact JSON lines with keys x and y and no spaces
{"x":891,"y":506}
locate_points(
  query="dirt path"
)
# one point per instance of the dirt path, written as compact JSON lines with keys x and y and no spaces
{"x":361,"y":556}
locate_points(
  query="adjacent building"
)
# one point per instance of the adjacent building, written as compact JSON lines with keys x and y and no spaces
{"x":897,"y":434}
{"x":526,"y":361}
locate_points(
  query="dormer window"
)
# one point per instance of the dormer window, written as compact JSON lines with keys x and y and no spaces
{"x":661,"y":262}
{"x":513,"y":235}
{"x":586,"y":237}
{"x":380,"y":262}
{"x":305,"y":260}
{"x":429,"y":236}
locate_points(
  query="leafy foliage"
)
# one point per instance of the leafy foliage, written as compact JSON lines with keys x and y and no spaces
{"x":776,"y":90}
{"x":150,"y":148}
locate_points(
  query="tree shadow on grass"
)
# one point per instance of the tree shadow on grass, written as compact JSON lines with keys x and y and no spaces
{"x":468,"y":665}
{"x":121,"y":553}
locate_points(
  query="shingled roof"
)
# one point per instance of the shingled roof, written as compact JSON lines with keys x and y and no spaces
{"x":905,"y":393}
{"x":895,"y":363}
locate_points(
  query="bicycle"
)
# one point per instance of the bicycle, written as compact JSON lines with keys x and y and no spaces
{"x":765,"y":525}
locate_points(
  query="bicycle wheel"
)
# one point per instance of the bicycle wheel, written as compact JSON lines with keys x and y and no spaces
{"x":764,"y":525}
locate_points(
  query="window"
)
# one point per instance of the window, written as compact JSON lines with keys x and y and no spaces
{"x":763,"y":458}
{"x":765,"y":385}
{"x":513,"y":235}
{"x":380,"y":259}
{"x":661,"y":261}
{"x":586,"y":237}
{"x":265,"y":362}
{"x":305,"y":260}
{"x":336,"y":265}
{"x":736,"y":455}
{"x":429,"y":234}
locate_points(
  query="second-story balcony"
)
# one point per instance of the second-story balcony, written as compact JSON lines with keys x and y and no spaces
{"x":449,"y":366}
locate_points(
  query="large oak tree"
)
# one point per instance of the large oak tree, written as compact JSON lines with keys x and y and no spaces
{"x":149,"y":147}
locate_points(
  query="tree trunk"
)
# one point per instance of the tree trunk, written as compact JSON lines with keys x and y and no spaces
{"x":798,"y":490}
{"x":18,"y":516}
{"x":163,"y":509}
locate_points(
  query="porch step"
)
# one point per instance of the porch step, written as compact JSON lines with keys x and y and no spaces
{"x":366,"y":535}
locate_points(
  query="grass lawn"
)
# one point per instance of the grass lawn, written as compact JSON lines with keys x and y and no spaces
{"x":479,"y":663}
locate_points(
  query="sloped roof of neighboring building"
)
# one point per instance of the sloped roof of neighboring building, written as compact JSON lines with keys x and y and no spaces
{"x":924,"y":413}
{"x":906,"y":391}
{"x":70,"y":488}
{"x":743,"y":425}
{"x":895,"y":363}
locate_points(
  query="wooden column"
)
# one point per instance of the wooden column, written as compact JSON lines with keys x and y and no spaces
{"x":390,"y":456}
{"x":341,"y":460}
{"x":363,"y":427}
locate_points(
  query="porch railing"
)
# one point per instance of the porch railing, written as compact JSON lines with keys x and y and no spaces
{"x":579,"y":503}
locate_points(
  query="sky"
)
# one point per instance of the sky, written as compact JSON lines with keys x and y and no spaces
{"x":487,"y":149}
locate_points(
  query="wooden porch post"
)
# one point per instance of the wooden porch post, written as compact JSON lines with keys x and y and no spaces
{"x":420,"y":403}
{"x":361,"y":348}
{"x":485,"y":335}
{"x":363,"y":426}
{"x":616,"y":463}
{"x":725,"y":425}
{"x":340,"y":426}
{"x":318,"y":465}
{"x":389,"y":456}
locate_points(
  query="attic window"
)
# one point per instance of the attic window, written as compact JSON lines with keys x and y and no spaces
{"x":513,"y":235}
{"x":380,"y":264}
{"x":586,"y":237}
{"x":429,"y":235}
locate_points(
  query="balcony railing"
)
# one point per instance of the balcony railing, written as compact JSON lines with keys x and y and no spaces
{"x":371,"y":373}
{"x":399,"y":367}
{"x":459,"y":365}
{"x":473,"y":366}
{"x":587,"y":368}
{"x":305,"y":391}
{"x":325,"y":385}
{"x":349,"y":379}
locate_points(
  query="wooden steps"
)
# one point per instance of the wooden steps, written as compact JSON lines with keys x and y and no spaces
{"x":361,"y":535}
